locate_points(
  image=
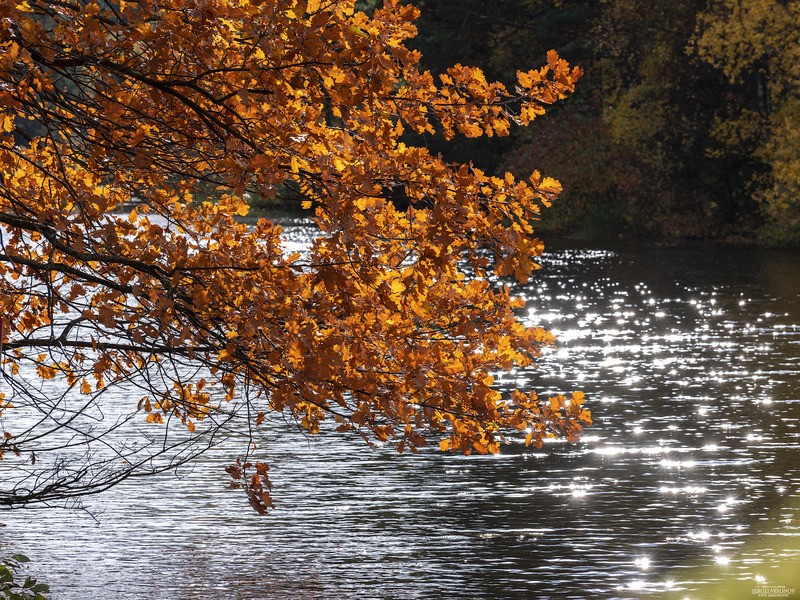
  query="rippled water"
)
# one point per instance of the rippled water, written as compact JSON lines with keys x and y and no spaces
{"x":690,"y":358}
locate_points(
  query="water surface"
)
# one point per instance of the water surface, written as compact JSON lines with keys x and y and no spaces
{"x":689,"y":356}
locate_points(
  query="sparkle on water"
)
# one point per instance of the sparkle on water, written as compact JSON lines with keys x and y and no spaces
{"x":689,"y":358}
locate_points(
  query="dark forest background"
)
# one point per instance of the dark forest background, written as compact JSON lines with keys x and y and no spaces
{"x":685,"y":124}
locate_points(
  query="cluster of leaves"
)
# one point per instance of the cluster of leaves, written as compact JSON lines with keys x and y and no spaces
{"x":391,"y":325}
{"x":11,"y":589}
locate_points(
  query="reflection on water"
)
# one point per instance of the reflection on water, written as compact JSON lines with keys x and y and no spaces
{"x":689,"y":356}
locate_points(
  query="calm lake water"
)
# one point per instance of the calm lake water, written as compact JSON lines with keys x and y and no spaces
{"x":689,"y":356}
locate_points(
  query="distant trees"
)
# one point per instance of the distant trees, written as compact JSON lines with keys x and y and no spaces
{"x":756,"y":45}
{"x":686,"y":118}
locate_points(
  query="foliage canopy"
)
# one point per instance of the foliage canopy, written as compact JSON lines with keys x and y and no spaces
{"x":390,"y":325}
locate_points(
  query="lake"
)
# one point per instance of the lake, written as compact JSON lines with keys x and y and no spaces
{"x":689,"y":356}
